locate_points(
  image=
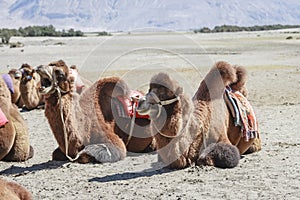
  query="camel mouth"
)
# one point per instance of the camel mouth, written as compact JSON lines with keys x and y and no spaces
{"x":45,"y":83}
{"x":143,"y":107}
{"x":45,"y":73}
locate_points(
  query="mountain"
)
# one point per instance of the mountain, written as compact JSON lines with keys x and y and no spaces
{"x":126,"y":15}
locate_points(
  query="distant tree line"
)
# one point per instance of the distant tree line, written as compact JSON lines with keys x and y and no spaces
{"x":231,"y":28}
{"x":36,"y":31}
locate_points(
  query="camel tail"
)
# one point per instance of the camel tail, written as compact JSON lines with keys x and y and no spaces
{"x":220,"y":155}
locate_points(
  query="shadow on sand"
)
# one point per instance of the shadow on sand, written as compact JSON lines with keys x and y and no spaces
{"x":20,"y":171}
{"x":130,"y":175}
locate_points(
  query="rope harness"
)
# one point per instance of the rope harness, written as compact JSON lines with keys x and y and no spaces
{"x":160,"y":104}
{"x":59,"y":92}
{"x":168,"y":102}
{"x":132,"y":122}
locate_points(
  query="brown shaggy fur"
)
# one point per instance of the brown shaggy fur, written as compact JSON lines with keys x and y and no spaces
{"x":13,"y":191}
{"x":86,"y":128}
{"x":221,"y":155}
{"x":14,"y":138}
{"x":30,"y":88}
{"x":141,"y":139}
{"x":188,"y":122}
{"x":240,"y":83}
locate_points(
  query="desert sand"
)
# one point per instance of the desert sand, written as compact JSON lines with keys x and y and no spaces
{"x":273,"y":64}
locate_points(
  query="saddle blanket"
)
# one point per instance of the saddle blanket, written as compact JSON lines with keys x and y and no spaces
{"x":242,"y":112}
{"x":9,"y":82}
{"x":125,"y":107}
{"x":3,"y":119}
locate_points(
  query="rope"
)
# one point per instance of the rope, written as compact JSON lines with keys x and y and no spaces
{"x":132,"y":122}
{"x":64,"y":128}
{"x":59,"y":91}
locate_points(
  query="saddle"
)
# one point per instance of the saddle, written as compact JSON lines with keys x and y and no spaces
{"x":3,"y":119}
{"x":242,"y":112}
{"x":125,"y":107}
{"x":9,"y":82}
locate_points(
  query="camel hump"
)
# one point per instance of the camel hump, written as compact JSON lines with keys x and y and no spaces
{"x":225,"y":70}
{"x":221,"y":75}
{"x":240,"y":83}
{"x":113,"y":86}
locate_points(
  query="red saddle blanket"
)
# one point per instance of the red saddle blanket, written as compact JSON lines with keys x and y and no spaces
{"x":242,"y":112}
{"x":3,"y":119}
{"x":128,"y":105}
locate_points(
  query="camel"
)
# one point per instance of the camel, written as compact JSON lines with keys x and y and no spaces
{"x":81,"y":83}
{"x":14,"y":138}
{"x":82,"y":124}
{"x":192,"y":131}
{"x":29,"y":87}
{"x":13,"y":191}
{"x":16,"y":76}
{"x":13,"y":79}
{"x":234,"y":132}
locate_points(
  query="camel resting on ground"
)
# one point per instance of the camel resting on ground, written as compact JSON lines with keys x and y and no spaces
{"x":13,"y":191}
{"x":13,"y":80}
{"x":89,"y":118}
{"x":192,"y":131}
{"x":14,"y":137}
{"x":29,"y":87}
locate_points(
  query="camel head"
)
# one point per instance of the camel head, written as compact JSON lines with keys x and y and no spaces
{"x":54,"y":76}
{"x":163,"y":92}
{"x":29,"y":75}
{"x":15,"y":74}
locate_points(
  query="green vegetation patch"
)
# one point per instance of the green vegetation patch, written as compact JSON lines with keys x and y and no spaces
{"x":37,"y":31}
{"x":232,"y":28}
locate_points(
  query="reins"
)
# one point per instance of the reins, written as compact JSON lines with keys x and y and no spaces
{"x":60,"y":91}
{"x":132,"y":122}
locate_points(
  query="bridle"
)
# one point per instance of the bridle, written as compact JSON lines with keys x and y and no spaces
{"x":161,"y":103}
{"x":168,"y":102}
{"x":60,"y":91}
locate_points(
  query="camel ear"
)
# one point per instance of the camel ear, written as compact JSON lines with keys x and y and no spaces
{"x":179,"y":91}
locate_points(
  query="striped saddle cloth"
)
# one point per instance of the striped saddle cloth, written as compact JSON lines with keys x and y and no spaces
{"x":242,"y":112}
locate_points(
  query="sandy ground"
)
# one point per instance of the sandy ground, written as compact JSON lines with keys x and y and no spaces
{"x":274,"y":89}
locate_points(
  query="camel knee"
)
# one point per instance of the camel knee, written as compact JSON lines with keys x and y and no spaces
{"x":254,"y":147}
{"x":243,"y":145}
{"x":102,"y":153}
{"x":58,"y":155}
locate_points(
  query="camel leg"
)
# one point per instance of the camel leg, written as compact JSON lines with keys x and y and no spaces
{"x":7,"y":138}
{"x":21,"y":149}
{"x":58,"y":155}
{"x":254,"y":147}
{"x":243,"y":145}
{"x":11,"y":190}
{"x":103,"y":153}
